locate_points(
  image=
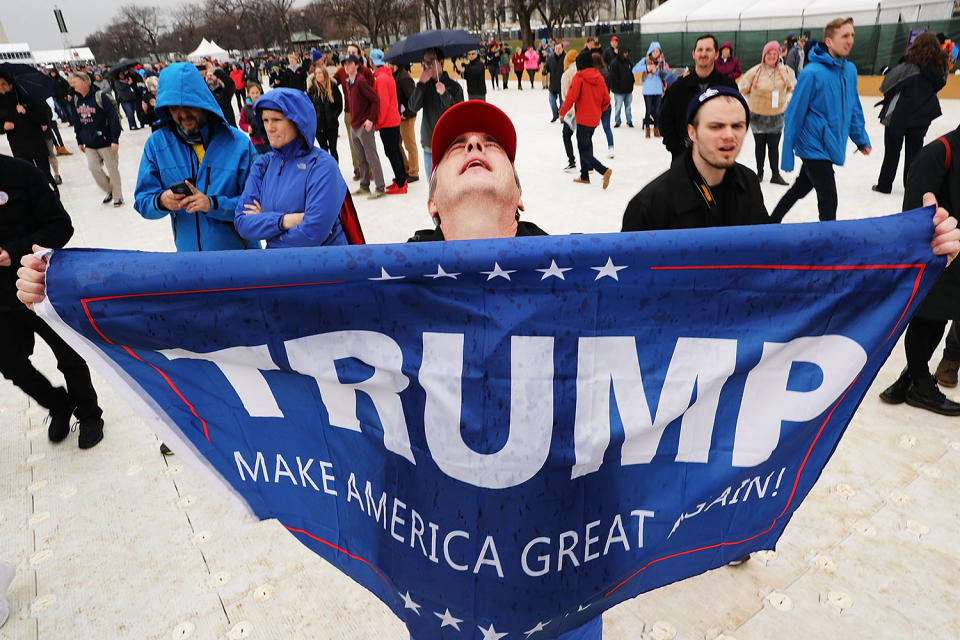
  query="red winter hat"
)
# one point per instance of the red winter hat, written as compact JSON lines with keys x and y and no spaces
{"x":473,"y":115}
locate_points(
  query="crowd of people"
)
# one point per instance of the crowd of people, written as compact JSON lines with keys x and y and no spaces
{"x":225,"y":186}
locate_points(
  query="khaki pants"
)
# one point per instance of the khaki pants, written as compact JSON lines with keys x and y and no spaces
{"x":353,"y":152}
{"x":408,"y":147}
{"x":107,"y":157}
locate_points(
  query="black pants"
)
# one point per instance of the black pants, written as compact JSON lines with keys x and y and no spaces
{"x":893,"y":139}
{"x":952,"y":349}
{"x":519,"y":79}
{"x":328,"y":142}
{"x":652,"y":116}
{"x":568,"y":144}
{"x":920,"y":341}
{"x":494,"y":77}
{"x":240,"y":95}
{"x":390,"y":137}
{"x":477,"y":96}
{"x":16,"y":347}
{"x":531,"y":73}
{"x":587,"y":159}
{"x":769,"y":142}
{"x":814,"y":174}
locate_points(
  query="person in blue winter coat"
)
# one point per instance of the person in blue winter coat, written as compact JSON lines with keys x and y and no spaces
{"x":823,"y":112}
{"x":294,"y":193}
{"x":205,"y":160}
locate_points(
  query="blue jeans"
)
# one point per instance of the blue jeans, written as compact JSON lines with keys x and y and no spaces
{"x":652,"y":103}
{"x":588,"y":162}
{"x":605,"y":121}
{"x":428,"y":162}
{"x":129,"y":109}
{"x":554,"y":99}
{"x":625,"y":100}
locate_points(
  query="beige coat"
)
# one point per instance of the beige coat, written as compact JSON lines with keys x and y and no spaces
{"x":759,"y":83}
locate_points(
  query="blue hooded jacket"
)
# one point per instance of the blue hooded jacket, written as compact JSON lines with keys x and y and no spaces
{"x":297,"y":177}
{"x":653,"y":84}
{"x":823,"y":112}
{"x":168,"y":159}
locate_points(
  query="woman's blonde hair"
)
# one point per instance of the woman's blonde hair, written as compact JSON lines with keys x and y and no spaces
{"x":324,"y":87}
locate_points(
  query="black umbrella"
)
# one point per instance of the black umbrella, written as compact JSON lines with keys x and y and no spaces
{"x":453,"y":42}
{"x":27,"y":80}
{"x":126,"y":63}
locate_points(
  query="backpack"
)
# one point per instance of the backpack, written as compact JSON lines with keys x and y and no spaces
{"x":98,"y":96}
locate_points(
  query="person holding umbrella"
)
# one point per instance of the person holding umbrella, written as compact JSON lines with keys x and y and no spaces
{"x":24,"y":120}
{"x":435,"y":93}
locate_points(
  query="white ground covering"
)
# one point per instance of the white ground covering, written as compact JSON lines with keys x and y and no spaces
{"x":119,"y":542}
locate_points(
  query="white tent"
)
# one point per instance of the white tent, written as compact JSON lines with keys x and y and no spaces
{"x":208,"y":49}
{"x":78,"y":55}
{"x":736,"y":15}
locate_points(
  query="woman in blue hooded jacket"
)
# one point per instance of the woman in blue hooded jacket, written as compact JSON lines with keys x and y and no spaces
{"x":294,"y":193}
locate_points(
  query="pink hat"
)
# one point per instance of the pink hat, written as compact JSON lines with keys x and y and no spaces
{"x":773,"y":45}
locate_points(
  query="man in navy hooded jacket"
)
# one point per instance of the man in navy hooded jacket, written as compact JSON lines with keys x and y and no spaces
{"x":823,"y":112}
{"x":195,"y":145}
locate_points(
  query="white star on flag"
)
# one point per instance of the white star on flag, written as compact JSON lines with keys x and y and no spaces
{"x":540,"y":626}
{"x":491,"y":633}
{"x":583,"y":608}
{"x":408,"y":603}
{"x":386,"y":276}
{"x":497,"y":273}
{"x":442,"y":274}
{"x":553,"y":270}
{"x":447,"y":620}
{"x":608,"y":269}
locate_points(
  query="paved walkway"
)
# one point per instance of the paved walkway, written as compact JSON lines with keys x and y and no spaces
{"x":121,"y":542}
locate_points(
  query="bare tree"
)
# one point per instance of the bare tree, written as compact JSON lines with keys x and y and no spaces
{"x":432,"y":8}
{"x":373,"y":15}
{"x":145,"y":27}
{"x":585,"y":10}
{"x":524,"y":11}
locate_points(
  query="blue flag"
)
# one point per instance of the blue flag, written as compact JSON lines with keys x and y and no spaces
{"x":509,"y":436}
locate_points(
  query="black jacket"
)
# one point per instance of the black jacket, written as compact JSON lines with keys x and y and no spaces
{"x":917,"y":105}
{"x":475,"y":75}
{"x":621,"y":75}
{"x":294,"y":79}
{"x":927,"y":173}
{"x":30,"y":214}
{"x":328,"y":113}
{"x":673,"y":109}
{"x":426,"y":99}
{"x":405,"y":87}
{"x":673,"y":200}
{"x":524,"y":228}
{"x":554,"y":66}
{"x":27,"y":137}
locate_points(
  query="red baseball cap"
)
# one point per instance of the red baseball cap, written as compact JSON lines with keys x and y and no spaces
{"x":473,"y":115}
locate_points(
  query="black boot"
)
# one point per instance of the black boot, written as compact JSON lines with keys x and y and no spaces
{"x":925,"y":394}
{"x":60,"y":415}
{"x":91,"y":432}
{"x":897,"y":392}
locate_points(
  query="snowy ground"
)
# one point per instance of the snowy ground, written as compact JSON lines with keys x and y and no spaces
{"x":120,"y":542}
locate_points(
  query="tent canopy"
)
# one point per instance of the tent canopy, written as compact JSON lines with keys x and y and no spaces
{"x":208,"y":49}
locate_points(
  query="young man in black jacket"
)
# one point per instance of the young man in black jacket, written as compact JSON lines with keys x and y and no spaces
{"x":475,"y":74}
{"x":673,"y":109}
{"x":31,"y":213}
{"x":554,"y":70}
{"x":705,"y":186}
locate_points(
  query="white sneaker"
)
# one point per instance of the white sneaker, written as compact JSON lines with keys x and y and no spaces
{"x":609,"y":152}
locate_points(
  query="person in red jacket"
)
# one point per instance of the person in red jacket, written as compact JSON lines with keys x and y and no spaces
{"x":365,"y":105}
{"x":388,"y":120}
{"x":239,"y":85}
{"x":588,"y":92}
{"x":517,"y":59}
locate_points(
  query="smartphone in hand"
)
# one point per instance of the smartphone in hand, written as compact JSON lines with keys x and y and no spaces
{"x":181,"y":188}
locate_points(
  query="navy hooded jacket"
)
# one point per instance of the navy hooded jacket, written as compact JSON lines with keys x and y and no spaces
{"x":168,"y":159}
{"x":297,"y":177}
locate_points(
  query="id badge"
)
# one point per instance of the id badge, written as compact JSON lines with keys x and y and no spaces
{"x":775,"y":99}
